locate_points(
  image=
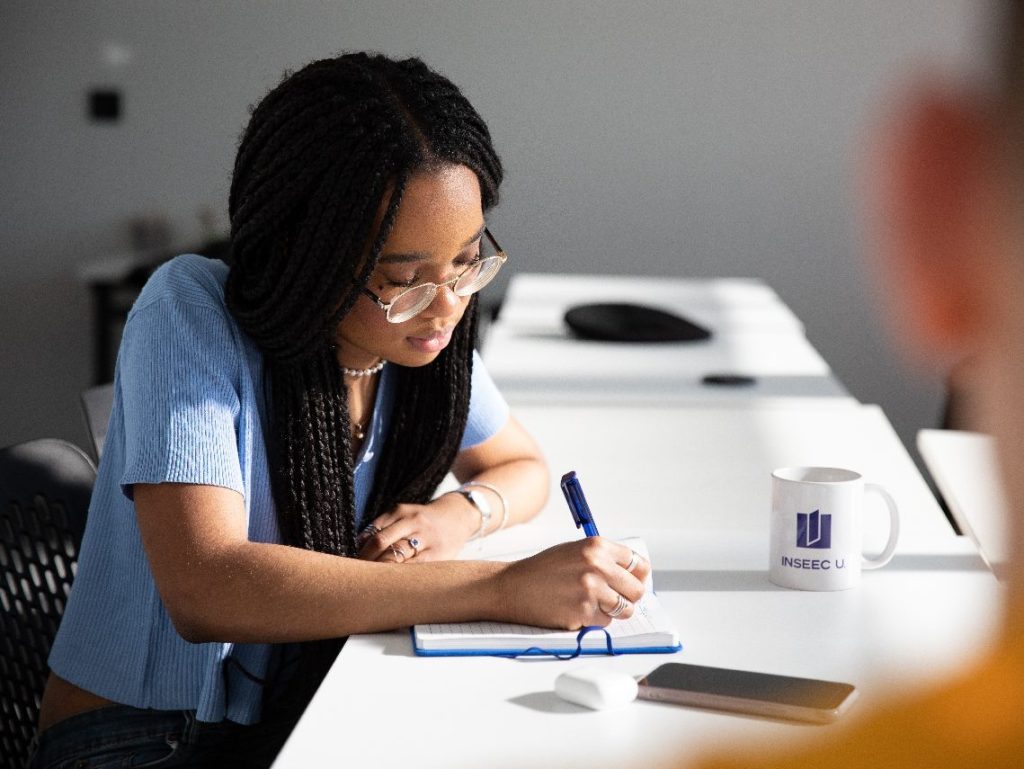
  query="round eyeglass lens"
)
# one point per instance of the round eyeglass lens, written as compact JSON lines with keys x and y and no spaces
{"x":415,"y":300}
{"x":411,"y":303}
{"x":478,"y":276}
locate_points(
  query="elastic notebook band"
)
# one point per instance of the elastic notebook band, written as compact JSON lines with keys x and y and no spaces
{"x":536,"y":651}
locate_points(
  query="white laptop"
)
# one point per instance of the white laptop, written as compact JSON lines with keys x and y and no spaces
{"x":965,"y":469}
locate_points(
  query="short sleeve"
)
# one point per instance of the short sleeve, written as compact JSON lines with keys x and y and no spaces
{"x":177,"y":372}
{"x":488,"y":411}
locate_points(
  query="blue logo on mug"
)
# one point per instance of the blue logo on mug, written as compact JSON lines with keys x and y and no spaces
{"x":814,"y":530}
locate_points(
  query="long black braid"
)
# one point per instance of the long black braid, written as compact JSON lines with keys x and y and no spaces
{"x":324,"y":153}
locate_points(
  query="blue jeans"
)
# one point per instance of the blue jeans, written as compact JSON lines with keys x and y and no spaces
{"x":122,"y":736}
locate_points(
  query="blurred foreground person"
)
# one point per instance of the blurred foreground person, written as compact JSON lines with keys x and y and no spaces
{"x":945,"y":191}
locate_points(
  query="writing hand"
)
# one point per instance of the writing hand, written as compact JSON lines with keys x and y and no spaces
{"x":574,"y":584}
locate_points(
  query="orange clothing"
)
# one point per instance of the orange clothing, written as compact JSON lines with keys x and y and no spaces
{"x":975,"y":721}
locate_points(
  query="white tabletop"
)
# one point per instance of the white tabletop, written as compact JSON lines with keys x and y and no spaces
{"x":920,"y":617}
{"x":538,"y":300}
{"x":534,"y":359}
{"x":703,"y":468}
{"x":694,"y":484}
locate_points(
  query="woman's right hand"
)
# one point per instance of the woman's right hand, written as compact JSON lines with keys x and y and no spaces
{"x":573,"y":585}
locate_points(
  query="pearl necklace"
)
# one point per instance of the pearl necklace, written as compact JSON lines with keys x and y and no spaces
{"x":361,"y":372}
{"x":358,"y":431}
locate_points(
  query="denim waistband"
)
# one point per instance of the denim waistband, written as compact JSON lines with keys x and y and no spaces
{"x":111,"y":725}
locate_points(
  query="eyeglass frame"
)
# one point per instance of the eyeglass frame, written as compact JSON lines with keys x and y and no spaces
{"x":386,"y":307}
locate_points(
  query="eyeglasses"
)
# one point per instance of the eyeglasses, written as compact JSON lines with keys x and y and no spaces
{"x":413,"y":301}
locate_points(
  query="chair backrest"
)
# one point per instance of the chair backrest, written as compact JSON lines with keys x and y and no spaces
{"x":45,"y":486}
{"x":96,"y":404}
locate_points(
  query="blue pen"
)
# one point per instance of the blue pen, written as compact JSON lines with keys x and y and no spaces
{"x":578,"y":504}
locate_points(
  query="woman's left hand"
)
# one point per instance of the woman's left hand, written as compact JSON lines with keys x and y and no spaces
{"x":435,"y":531}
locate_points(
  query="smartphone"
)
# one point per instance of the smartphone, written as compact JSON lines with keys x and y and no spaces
{"x":743,"y":691}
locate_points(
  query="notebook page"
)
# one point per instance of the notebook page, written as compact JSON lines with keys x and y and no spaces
{"x":641,"y":623}
{"x":649,"y":622}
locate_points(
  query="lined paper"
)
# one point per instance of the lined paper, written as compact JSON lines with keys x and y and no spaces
{"x":649,"y":627}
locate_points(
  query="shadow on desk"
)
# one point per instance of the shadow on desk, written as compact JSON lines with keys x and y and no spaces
{"x":547,"y":702}
{"x":757,"y":581}
{"x":714,"y":581}
{"x":397,"y":643}
{"x":937,"y":562}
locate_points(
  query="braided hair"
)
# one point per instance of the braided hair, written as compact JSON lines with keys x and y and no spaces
{"x":324,"y":153}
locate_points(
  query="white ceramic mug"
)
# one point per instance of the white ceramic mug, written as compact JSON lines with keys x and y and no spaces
{"x":817,"y":528}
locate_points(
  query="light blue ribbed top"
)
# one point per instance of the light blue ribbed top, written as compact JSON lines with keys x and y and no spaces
{"x":189,"y":408}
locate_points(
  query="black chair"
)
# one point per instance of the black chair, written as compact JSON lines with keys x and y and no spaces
{"x":45,"y":487}
{"x":96,"y":402}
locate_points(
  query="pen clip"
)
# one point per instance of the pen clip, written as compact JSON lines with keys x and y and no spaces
{"x":578,"y":506}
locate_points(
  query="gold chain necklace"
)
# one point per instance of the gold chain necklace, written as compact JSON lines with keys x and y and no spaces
{"x":358,"y":431}
{"x":358,"y":428}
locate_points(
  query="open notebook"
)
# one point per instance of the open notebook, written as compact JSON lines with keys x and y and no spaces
{"x":648,"y":631}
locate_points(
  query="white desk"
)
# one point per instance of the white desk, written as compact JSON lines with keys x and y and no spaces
{"x":694,"y":483}
{"x":708,"y":469}
{"x":538,"y":300}
{"x":381,"y":706}
{"x":533,"y":358}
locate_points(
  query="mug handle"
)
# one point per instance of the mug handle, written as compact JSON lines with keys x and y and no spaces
{"x":894,"y":529}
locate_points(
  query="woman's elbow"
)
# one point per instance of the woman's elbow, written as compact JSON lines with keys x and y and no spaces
{"x":190,"y":623}
{"x":195,"y":615}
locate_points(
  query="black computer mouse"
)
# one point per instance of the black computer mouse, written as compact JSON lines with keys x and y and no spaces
{"x":621,"y":322}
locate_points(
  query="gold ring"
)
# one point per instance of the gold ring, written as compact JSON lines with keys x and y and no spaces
{"x":398,"y":552}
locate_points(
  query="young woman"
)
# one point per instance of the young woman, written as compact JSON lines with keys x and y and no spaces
{"x":280,"y":428}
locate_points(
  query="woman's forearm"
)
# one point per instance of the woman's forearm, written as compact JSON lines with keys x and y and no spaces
{"x":519,"y":486}
{"x":513,"y":464}
{"x":256,"y":592}
{"x":218,"y":586}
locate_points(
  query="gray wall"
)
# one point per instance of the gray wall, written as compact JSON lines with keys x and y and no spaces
{"x":667,"y":138}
